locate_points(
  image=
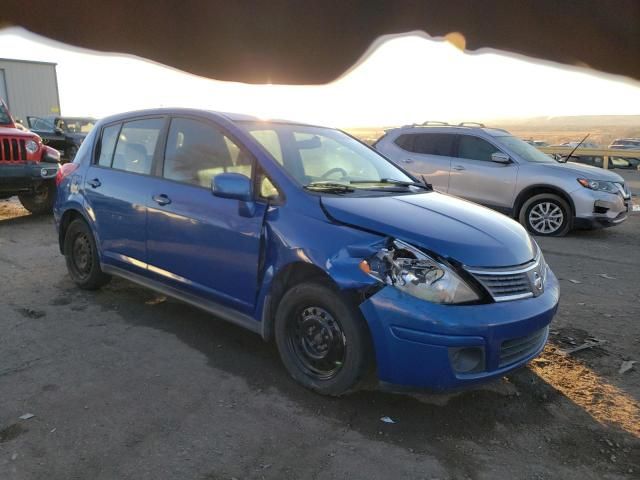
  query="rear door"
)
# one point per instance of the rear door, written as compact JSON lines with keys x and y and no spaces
{"x":476,"y":177}
{"x":197,"y":242}
{"x":428,"y":154}
{"x":117,"y":186}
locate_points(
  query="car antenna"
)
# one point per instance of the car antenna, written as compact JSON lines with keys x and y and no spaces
{"x":576,"y":147}
{"x":427,"y":184}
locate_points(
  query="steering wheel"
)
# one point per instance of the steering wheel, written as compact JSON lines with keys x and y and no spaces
{"x":326,"y":174}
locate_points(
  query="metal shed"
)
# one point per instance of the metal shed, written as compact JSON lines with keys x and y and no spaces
{"x":29,"y":88}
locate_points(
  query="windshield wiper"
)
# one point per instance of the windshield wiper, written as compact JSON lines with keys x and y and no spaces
{"x":330,"y":187}
{"x":392,"y":181}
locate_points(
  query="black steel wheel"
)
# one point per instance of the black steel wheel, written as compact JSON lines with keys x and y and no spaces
{"x":322,"y":339}
{"x":318,"y":342}
{"x":81,"y":256}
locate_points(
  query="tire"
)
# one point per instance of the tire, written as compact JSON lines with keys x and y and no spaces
{"x":41,"y":202}
{"x":333,"y":354}
{"x":547,"y":215}
{"x":81,"y":255}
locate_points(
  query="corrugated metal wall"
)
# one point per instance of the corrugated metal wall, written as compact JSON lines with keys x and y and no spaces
{"x":32,"y":88}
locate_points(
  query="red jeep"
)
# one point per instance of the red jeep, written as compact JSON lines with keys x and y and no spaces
{"x":27,"y":167}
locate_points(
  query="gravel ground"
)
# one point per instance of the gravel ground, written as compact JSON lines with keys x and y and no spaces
{"x":125,"y":384}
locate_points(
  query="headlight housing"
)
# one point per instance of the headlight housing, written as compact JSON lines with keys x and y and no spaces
{"x":599,"y":185}
{"x":31,"y":146}
{"x":415,"y":273}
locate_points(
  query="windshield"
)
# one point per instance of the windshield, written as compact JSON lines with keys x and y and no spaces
{"x":524,"y":150}
{"x":314,"y":156}
{"x":5,"y":118}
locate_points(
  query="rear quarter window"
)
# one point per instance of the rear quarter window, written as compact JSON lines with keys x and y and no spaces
{"x":107,"y":145}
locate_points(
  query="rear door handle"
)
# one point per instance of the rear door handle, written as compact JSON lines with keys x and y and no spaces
{"x":407,"y":160}
{"x":161,"y":199}
{"x":459,"y":168}
{"x":95,"y":183}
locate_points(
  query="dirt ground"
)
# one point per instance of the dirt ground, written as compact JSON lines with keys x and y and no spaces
{"x":124,"y":384}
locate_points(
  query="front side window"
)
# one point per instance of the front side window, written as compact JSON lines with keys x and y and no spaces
{"x":313,"y":155}
{"x":136,"y":145}
{"x":474,"y":148}
{"x":108,"y":145}
{"x":196,"y":152}
{"x":524,"y":151}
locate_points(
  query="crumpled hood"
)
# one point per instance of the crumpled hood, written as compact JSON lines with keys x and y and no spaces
{"x":585,"y":171}
{"x":448,"y":226}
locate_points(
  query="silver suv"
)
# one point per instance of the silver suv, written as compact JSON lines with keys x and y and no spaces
{"x":492,"y":167}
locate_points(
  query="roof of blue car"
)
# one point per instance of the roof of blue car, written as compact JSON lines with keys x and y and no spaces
{"x":231,"y":116}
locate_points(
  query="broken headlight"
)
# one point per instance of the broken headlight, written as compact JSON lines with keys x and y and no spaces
{"x":413,"y":272}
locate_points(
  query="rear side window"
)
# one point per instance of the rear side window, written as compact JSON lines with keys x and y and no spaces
{"x":197,"y":151}
{"x":137,"y":144}
{"x":427,"y":143}
{"x":108,"y":145}
{"x":434,"y":144}
{"x":474,"y":148}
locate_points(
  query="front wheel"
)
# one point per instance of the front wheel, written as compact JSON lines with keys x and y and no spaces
{"x":323,"y":341}
{"x":546,"y":214}
{"x":41,"y":200}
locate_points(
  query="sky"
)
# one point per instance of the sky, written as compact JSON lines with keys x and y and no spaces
{"x":401,"y":79}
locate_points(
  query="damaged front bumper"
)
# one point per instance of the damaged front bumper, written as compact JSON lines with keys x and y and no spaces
{"x":596,"y":209}
{"x":441,"y":347}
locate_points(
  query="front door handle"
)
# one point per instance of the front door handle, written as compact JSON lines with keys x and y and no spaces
{"x":407,"y":160}
{"x":95,"y":183}
{"x":161,"y":199}
{"x":459,"y":168}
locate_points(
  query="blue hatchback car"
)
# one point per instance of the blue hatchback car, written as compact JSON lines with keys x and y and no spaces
{"x":305,"y":235}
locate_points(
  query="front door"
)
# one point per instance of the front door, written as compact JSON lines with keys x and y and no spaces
{"x":476,"y":177}
{"x":203,"y":244}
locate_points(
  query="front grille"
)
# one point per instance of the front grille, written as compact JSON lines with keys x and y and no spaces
{"x":511,"y":351}
{"x":513,"y":283}
{"x":12,"y":150}
{"x":507,"y":285}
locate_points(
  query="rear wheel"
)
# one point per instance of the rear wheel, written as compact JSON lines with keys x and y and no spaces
{"x":546,"y":214}
{"x":81,"y":255}
{"x":41,"y":201}
{"x":323,"y":341}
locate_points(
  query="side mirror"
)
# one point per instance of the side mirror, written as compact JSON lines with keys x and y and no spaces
{"x":232,"y":185}
{"x":500,"y":157}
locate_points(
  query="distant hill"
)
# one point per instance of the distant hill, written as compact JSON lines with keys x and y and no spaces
{"x":569,"y":122}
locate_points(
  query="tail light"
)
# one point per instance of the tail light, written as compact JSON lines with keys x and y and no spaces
{"x":64,"y":171}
